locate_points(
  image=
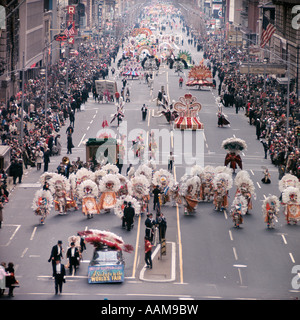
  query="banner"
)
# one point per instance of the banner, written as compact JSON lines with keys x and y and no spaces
{"x":106,"y":274}
{"x":104,"y":86}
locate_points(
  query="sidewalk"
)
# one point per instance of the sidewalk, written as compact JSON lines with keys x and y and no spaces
{"x":163,"y":266}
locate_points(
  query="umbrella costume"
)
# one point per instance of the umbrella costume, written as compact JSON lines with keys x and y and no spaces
{"x":234,"y":146}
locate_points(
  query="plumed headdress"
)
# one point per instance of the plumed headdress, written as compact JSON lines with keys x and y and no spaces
{"x":87,"y":188}
{"x":189,"y":186}
{"x":223,"y":179}
{"x":291,"y":194}
{"x":84,"y":174}
{"x":38,"y":199}
{"x":163,"y":178}
{"x":46,"y":177}
{"x":197,"y":171}
{"x":144,"y":170}
{"x":110,"y":182}
{"x":138,"y":187}
{"x":271,"y":201}
{"x":243,"y":179}
{"x":241,"y":203}
{"x":288,"y":180}
{"x":208,"y":173}
{"x":59,"y":181}
{"x":110,"y":168}
{"x":99,"y":174}
{"x":220,"y":169}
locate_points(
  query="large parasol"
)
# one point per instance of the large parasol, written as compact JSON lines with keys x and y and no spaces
{"x":234,"y":144}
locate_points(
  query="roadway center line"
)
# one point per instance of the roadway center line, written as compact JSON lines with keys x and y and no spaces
{"x":33,"y":233}
{"x":136,"y":248}
{"x":292,"y":258}
{"x":284,"y":239}
{"x":81,"y":140}
{"x":230,"y":235}
{"x":24,"y":252}
{"x":235,"y":254}
{"x":258,"y":185}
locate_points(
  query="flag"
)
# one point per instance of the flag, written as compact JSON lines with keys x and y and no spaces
{"x":69,"y":30}
{"x":268,"y":28}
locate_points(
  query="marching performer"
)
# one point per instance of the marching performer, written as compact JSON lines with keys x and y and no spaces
{"x":199,"y":172}
{"x":109,"y":186}
{"x":88,"y":193}
{"x":152,"y":145}
{"x":59,"y":187}
{"x":120,"y":205}
{"x":207,"y":188}
{"x":291,"y":201}
{"x":222,"y":184}
{"x":270,"y":210}
{"x":42,"y":204}
{"x":139,"y":188}
{"x":288,"y":180}
{"x":266,"y":179}
{"x":234,"y":146}
{"x":238,"y":210}
{"x":188,"y":191}
{"x":165,"y":180}
{"x":245,"y":188}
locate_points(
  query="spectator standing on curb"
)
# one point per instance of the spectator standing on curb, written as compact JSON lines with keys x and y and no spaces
{"x":148,"y":253}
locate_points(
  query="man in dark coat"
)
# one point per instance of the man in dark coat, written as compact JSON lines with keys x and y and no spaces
{"x":162,"y":226}
{"x":149,"y":224}
{"x":50,"y":143}
{"x":14,"y":170}
{"x":72,"y":118}
{"x":56,"y":254}
{"x":73,"y":256}
{"x":46,"y":159}
{"x":59,"y":275}
{"x":69,"y":144}
{"x":20,"y":170}
{"x":129,"y":213}
{"x":144,"y":112}
{"x":156,"y":193}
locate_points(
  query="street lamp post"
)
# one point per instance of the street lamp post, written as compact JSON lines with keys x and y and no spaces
{"x":22,"y":105}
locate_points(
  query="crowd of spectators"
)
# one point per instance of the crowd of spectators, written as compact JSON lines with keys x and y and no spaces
{"x":262,"y":99}
{"x":43,"y":121}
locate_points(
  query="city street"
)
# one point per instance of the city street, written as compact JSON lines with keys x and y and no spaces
{"x":207,"y":258}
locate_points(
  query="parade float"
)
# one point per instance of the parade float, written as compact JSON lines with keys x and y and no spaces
{"x":199,"y":76}
{"x":187,"y":108}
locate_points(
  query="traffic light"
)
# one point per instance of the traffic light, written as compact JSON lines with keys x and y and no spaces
{"x":81,"y":9}
{"x":298,"y":131}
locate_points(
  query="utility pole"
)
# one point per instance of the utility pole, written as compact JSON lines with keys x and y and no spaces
{"x":288,"y":93}
{"x":23,"y":93}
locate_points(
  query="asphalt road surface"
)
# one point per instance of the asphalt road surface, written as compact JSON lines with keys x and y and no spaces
{"x":206,"y":257}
